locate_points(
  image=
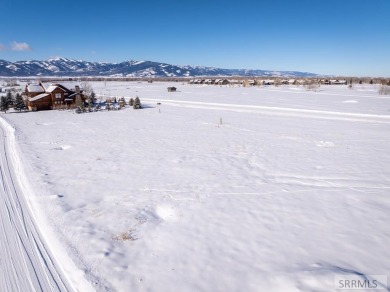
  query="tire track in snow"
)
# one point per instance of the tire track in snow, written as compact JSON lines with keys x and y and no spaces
{"x":26,"y":263}
{"x":278,"y":111}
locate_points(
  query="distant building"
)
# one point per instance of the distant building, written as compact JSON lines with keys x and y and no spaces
{"x":292,"y":82}
{"x":222,"y":82}
{"x":338,"y":82}
{"x":269,"y":82}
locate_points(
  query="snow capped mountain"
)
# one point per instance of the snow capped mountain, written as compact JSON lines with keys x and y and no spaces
{"x":68,"y":67}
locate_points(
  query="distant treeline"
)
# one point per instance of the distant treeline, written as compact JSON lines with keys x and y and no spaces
{"x":356,"y":80}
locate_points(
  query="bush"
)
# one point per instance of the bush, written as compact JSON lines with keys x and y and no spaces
{"x":312,"y":86}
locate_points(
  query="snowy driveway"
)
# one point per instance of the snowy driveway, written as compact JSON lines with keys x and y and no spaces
{"x":25,"y":262}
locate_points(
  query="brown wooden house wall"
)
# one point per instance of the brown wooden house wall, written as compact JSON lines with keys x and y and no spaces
{"x":40,"y":104}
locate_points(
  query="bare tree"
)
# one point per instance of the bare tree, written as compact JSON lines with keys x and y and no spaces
{"x":87,"y":89}
{"x":384,"y":90}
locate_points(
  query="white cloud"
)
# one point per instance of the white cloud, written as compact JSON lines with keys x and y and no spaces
{"x":20,"y":47}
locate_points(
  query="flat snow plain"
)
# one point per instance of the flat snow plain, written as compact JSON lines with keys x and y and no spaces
{"x":289,"y":191}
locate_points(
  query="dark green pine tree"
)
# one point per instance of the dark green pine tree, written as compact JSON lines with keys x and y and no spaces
{"x":19,"y":104}
{"x":4,"y":106}
{"x":137,"y":103}
{"x":131,"y":102}
{"x":10,"y":99}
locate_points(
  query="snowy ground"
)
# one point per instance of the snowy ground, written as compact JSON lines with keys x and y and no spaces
{"x":289,"y":191}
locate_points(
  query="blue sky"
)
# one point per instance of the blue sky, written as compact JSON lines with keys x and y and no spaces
{"x":342,"y":37}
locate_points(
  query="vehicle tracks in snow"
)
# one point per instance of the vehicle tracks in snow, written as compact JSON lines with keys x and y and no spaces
{"x":279,"y":111}
{"x":26,"y":263}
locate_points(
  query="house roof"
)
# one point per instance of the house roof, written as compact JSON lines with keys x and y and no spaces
{"x":64,"y":85}
{"x":51,"y":88}
{"x":74,"y":94}
{"x":71,"y":85}
{"x":42,"y":95}
{"x":35,"y":88}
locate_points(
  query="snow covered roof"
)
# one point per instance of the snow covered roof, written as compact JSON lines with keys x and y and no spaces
{"x":67,"y":85}
{"x":74,"y":94}
{"x":42,"y":95}
{"x":71,"y":85}
{"x":51,"y":88}
{"x":35,"y":88}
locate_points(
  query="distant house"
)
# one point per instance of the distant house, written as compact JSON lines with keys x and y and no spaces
{"x":246,"y":83}
{"x":222,"y":82}
{"x":252,"y":82}
{"x":234,"y":81}
{"x":172,"y":89}
{"x":292,"y":82}
{"x":198,"y":81}
{"x":209,"y":81}
{"x":51,"y":96}
{"x":338,"y":82}
{"x":269,"y":82}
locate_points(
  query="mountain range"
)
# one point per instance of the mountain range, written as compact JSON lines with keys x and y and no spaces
{"x":70,"y":67}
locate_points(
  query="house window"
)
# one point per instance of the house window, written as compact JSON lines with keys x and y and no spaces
{"x":58,"y":95}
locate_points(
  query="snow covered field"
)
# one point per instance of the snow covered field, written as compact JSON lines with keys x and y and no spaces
{"x":289,"y":191}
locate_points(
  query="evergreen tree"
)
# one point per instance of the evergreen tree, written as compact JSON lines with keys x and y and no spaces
{"x":131,"y":102}
{"x":10,"y":99}
{"x":4,"y":105}
{"x":137,"y":103}
{"x":122,"y":102}
{"x":92,"y":98}
{"x":19,"y":104}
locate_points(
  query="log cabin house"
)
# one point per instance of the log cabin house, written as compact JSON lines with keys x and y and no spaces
{"x":52,"y":96}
